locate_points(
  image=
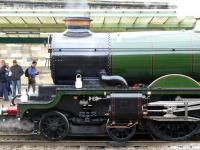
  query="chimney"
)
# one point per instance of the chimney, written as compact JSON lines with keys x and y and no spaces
{"x":77,"y":26}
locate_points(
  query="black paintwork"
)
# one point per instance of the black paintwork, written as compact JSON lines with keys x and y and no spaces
{"x":65,"y":66}
{"x":125,"y":107}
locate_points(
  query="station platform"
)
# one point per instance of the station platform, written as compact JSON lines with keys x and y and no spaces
{"x":4,"y":103}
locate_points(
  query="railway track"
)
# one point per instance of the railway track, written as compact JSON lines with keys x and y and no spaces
{"x":18,"y":137}
{"x":148,"y":145}
{"x":25,"y":141}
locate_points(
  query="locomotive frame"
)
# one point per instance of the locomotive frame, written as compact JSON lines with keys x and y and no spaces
{"x":129,"y":83}
{"x":103,"y":113}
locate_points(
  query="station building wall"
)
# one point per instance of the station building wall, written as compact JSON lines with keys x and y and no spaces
{"x":25,"y":54}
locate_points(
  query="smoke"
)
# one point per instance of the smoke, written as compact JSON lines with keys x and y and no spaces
{"x":187,"y":8}
{"x":14,"y":125}
{"x":79,"y":4}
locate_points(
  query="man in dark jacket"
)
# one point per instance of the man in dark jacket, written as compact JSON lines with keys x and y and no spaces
{"x":17,"y":72}
{"x":3,"y":80}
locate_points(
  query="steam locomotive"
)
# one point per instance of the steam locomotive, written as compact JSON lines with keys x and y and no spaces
{"x":117,"y":83}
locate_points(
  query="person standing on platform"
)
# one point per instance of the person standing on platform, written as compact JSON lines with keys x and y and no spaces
{"x":3,"y":80}
{"x":1,"y":90}
{"x":32,"y":72}
{"x":8,"y":79}
{"x":17,"y":72}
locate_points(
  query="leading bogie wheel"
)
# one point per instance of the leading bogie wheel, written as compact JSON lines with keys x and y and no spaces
{"x":54,"y":125}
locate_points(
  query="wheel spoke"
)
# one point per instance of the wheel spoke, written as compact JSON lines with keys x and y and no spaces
{"x":54,"y":125}
{"x":120,"y":134}
{"x":172,"y":130}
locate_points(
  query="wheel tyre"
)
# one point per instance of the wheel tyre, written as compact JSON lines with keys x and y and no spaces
{"x":120,"y":135}
{"x":54,"y":126}
{"x":172,"y":135}
{"x":172,"y":131}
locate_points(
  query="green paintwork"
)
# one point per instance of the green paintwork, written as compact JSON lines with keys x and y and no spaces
{"x":174,"y":81}
{"x":138,"y":70}
{"x":196,"y":62}
{"x":145,"y":56}
{"x":141,"y":67}
{"x":25,"y":107}
{"x":172,"y":63}
{"x":175,"y":91}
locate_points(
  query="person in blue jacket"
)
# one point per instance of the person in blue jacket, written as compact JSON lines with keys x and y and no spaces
{"x":32,"y":72}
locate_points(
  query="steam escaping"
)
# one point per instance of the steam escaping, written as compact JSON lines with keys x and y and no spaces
{"x":14,"y":125}
{"x":187,"y":8}
{"x":80,"y":4}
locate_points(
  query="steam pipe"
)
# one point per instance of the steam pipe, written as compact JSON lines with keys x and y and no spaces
{"x":13,"y":99}
{"x":114,"y":79}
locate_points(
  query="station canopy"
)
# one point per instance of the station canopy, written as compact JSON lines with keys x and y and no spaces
{"x":39,"y":23}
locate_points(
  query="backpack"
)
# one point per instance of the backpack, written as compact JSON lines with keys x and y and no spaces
{"x":26,"y":72}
